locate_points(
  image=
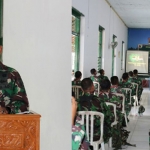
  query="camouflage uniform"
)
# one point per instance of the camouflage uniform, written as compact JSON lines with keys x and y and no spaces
{"x":139,"y":82}
{"x":117,"y":89}
{"x":95,"y":79}
{"x":12,"y":91}
{"x":89,"y":102}
{"x":101,"y":77}
{"x":76,"y":83}
{"x":130,"y":86}
{"x":110,"y":97}
{"x":117,"y":129}
{"x":79,"y":139}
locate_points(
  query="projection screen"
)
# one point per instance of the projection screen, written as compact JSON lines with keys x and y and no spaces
{"x":137,"y":60}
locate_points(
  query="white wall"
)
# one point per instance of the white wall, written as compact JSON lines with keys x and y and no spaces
{"x":37,"y":43}
{"x":98,"y":12}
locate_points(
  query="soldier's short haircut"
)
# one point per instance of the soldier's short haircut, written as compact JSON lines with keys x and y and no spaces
{"x":125,"y":76}
{"x":101,"y":71}
{"x":114,"y":80}
{"x":86,"y":83}
{"x":105,"y":84}
{"x":135,"y":71}
{"x":130,"y":73}
{"x":78,"y":74}
{"x":93,"y":71}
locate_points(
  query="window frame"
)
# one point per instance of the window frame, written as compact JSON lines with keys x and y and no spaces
{"x":77,"y":15}
{"x":100,"y":47}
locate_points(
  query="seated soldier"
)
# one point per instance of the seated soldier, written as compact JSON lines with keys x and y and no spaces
{"x":77,"y":80}
{"x":79,"y":140}
{"x":130,"y":79}
{"x":115,"y":88}
{"x":126,"y":84}
{"x":93,"y":75}
{"x":90,"y":102}
{"x":101,"y":76}
{"x":139,"y":82}
{"x":118,"y":137}
{"x":96,"y":79}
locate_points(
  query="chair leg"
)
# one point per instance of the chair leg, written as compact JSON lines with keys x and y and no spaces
{"x":95,"y":147}
{"x":110,"y":142}
{"x":137,"y":103}
{"x":126,"y":119}
{"x":102,"y":146}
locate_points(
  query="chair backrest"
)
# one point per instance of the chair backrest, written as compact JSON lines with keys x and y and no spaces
{"x":89,"y":117}
{"x":128,"y":90}
{"x":76,"y":89}
{"x":123,"y":100}
{"x":97,"y":89}
{"x":114,"y":107}
{"x":136,"y":86}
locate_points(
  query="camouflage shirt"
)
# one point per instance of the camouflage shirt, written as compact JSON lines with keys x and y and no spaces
{"x":117,"y":89}
{"x":76,"y":83}
{"x":89,"y":102}
{"x":94,"y":78}
{"x":79,"y":139}
{"x":130,"y":86}
{"x":110,"y":97}
{"x":12,"y":91}
{"x":139,"y":82}
{"x":101,"y":77}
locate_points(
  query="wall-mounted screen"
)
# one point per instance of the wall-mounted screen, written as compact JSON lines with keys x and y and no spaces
{"x":137,"y":60}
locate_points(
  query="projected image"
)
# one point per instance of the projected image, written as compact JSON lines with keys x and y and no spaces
{"x":137,"y":60}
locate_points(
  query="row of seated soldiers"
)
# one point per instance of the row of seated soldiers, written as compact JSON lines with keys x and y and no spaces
{"x":90,"y":102}
{"x":127,"y":79}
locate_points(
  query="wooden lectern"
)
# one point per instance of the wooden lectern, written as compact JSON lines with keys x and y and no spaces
{"x":20,"y":131}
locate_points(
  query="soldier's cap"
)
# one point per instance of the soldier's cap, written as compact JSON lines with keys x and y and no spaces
{"x":1,"y":41}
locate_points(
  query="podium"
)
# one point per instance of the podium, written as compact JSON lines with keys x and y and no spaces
{"x":20,"y":131}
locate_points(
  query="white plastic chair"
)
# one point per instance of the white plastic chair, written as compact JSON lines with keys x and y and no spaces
{"x":98,"y":88}
{"x":136,"y":95}
{"x":89,"y":115}
{"x":128,"y":90}
{"x":115,"y":120}
{"x":76,"y":89}
{"x":123,"y":106}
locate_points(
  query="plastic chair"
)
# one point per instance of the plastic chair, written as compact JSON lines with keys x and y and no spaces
{"x":96,"y":84}
{"x":136,"y":95}
{"x":115,"y":120}
{"x":123,"y":106}
{"x":89,"y":115}
{"x":128,"y":90}
{"x":76,"y":89}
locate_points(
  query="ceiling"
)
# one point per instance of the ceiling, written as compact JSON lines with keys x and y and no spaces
{"x":134,"y":13}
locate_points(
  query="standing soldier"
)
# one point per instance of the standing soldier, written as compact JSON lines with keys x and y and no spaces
{"x":13,"y":98}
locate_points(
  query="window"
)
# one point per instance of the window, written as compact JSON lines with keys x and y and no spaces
{"x":122,"y":51}
{"x":75,"y":40}
{"x":113,"y":55}
{"x":100,"y":48}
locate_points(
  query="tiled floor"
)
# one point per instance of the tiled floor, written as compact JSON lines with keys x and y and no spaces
{"x":139,"y":125}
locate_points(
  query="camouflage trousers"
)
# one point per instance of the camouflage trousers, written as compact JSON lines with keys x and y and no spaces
{"x":119,"y":137}
{"x":127,"y":108}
